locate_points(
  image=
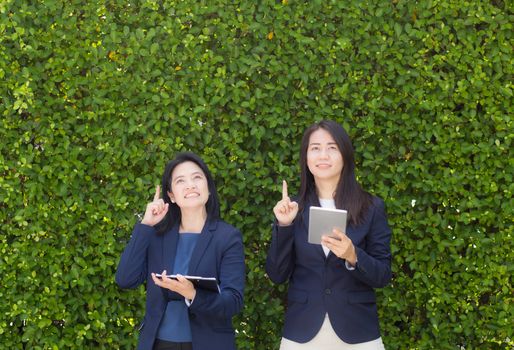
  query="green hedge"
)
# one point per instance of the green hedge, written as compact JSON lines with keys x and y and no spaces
{"x":96,"y":96}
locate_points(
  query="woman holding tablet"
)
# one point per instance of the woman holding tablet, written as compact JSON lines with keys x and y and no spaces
{"x":181,"y":234}
{"x":331,"y":299}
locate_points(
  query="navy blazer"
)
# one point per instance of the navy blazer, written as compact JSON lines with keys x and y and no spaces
{"x":218,"y":253}
{"x":320,"y":285}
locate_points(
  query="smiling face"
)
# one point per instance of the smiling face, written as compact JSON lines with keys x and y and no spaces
{"x":324,"y":159}
{"x":189,"y":188}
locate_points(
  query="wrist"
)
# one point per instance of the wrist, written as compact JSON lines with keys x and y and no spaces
{"x":281,"y":223}
{"x":352,"y":259}
{"x":145,"y":222}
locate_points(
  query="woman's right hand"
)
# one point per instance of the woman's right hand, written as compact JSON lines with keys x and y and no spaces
{"x":156,"y":210}
{"x":285,"y":210}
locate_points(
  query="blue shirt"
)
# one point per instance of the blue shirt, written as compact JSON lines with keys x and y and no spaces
{"x":175,"y":322}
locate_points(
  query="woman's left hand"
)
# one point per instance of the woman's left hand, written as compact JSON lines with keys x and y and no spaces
{"x":341,"y":246}
{"x":181,"y":285}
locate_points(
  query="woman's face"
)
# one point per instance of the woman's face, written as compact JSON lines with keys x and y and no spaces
{"x":324,"y":159}
{"x":189,"y":187}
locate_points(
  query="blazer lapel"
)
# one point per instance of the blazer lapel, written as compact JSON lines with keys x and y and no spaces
{"x":201,"y":246}
{"x":305,"y":222}
{"x":169,"y":249}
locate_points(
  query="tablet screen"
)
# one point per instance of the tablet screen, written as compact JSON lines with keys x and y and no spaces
{"x":323,"y":220}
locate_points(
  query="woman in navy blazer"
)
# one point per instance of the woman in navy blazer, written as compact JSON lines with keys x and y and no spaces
{"x":331,"y":299}
{"x":182,"y":233}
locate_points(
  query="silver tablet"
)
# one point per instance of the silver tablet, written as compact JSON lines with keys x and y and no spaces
{"x":323,"y":220}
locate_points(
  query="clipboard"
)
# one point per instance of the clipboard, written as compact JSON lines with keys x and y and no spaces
{"x":208,"y":283}
{"x":323,"y":220}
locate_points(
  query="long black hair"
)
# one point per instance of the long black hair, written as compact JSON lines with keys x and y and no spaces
{"x":349,"y":194}
{"x":173,"y":216}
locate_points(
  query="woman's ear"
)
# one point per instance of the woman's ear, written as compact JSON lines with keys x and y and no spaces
{"x":171,"y":196}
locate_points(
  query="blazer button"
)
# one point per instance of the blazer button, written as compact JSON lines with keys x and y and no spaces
{"x":328,"y":291}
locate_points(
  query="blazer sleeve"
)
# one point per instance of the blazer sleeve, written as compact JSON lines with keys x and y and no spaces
{"x":232,"y":278}
{"x":281,"y":256}
{"x":374,"y":262}
{"x":132,"y":268}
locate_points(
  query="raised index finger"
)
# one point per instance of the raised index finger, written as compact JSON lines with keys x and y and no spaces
{"x":284,"y":190}
{"x":157,"y":195}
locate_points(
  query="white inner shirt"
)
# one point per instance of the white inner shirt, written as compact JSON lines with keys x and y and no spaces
{"x":327,"y":203}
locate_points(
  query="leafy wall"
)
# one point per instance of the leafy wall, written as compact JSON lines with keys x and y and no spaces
{"x":96,"y":96}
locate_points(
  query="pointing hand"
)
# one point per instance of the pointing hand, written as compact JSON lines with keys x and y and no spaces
{"x":156,"y":210}
{"x":285,"y":210}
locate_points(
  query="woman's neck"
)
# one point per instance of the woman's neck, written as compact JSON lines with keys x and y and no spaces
{"x":192,"y":221}
{"x":326,"y":189}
